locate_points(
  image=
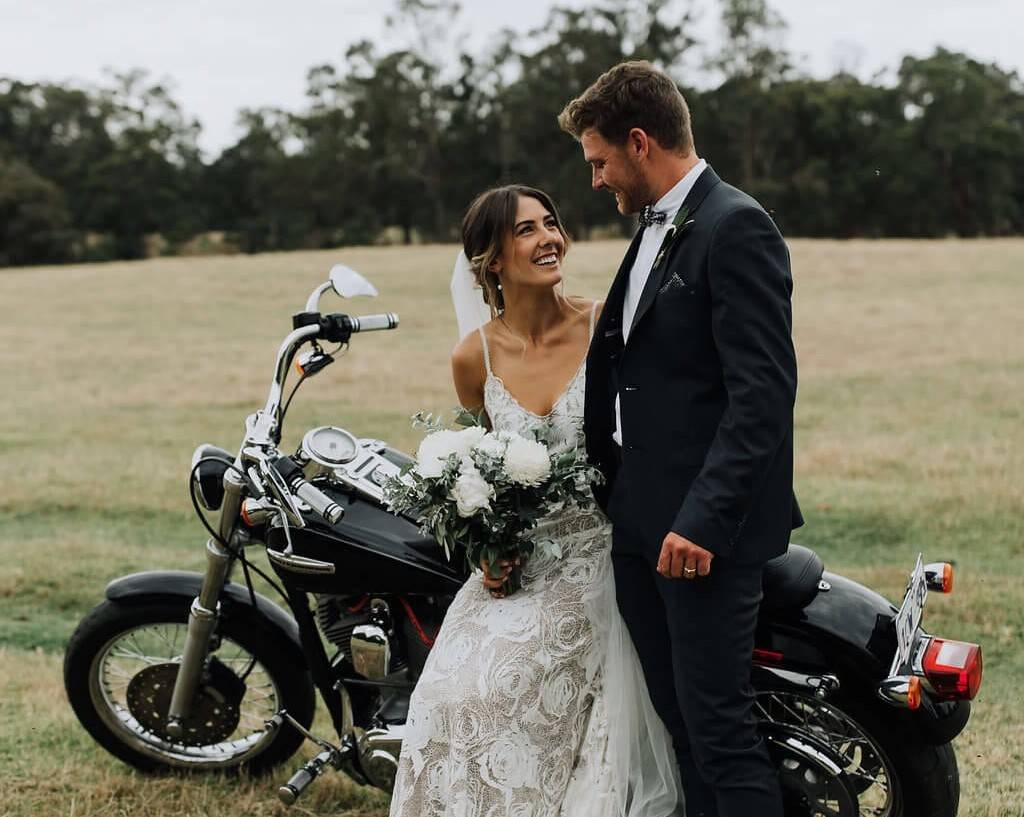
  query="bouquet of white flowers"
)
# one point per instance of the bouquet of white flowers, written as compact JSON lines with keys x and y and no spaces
{"x":488,"y":490}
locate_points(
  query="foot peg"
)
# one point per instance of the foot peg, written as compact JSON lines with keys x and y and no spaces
{"x":299,"y":782}
{"x":334,"y":756}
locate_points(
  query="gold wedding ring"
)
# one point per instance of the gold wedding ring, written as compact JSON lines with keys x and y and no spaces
{"x":689,"y":571}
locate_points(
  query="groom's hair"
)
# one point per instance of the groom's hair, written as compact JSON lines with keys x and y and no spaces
{"x":631,"y":95}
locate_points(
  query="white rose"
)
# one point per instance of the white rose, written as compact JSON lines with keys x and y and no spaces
{"x":434,"y":451}
{"x":471,"y":491}
{"x":527,"y":462}
{"x":491,"y":446}
{"x":467,"y":438}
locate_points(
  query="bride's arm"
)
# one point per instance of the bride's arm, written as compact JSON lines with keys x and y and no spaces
{"x":469,"y":373}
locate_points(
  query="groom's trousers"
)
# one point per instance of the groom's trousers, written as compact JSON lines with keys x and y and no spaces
{"x":695,"y":639}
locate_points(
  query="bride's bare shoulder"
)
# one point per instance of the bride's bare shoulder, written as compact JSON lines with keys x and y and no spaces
{"x":469,"y":370}
{"x":468,"y":353}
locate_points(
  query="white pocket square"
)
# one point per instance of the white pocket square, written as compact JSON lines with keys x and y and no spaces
{"x":673,"y":282}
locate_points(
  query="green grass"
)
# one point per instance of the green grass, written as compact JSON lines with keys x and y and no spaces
{"x":909,"y":438}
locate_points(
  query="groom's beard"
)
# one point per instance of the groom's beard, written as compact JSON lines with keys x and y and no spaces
{"x":633,"y":196}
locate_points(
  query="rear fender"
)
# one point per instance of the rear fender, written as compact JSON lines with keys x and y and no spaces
{"x":848,"y":631}
{"x":845,"y":623}
{"x":168,"y":585}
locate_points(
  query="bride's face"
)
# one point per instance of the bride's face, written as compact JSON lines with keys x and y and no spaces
{"x":532,"y":254}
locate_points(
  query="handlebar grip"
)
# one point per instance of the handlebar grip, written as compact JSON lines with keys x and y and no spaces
{"x":373,"y":323}
{"x":318,"y":500}
{"x":291,"y":472}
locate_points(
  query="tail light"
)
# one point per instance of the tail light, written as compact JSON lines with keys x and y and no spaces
{"x":763,"y":656}
{"x":939,"y":576}
{"x":953,"y":668}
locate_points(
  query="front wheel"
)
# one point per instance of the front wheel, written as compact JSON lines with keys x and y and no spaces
{"x":119,"y":671}
{"x":888,"y":764}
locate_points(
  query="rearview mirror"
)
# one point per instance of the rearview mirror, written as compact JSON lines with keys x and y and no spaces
{"x":350,"y":284}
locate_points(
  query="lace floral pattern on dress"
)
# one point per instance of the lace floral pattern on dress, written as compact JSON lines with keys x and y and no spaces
{"x":508,"y":718}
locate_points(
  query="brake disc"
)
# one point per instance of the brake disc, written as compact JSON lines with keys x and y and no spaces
{"x":214,"y":713}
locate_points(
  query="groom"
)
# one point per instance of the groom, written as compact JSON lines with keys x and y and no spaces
{"x":691,"y":379}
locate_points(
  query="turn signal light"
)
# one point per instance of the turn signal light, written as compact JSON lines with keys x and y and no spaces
{"x":953,"y":668}
{"x":901,"y":690}
{"x":309,"y":363}
{"x":254,"y":512}
{"x":939,"y":576}
{"x":914,"y":692}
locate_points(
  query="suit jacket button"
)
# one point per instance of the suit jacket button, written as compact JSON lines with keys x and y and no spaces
{"x":629,"y":388}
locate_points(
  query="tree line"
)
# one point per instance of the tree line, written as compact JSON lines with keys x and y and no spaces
{"x":393,"y":143}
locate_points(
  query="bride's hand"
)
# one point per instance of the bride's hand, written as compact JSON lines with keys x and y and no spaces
{"x":496,"y":585}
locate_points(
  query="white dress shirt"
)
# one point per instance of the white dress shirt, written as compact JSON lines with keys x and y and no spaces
{"x":650,"y":243}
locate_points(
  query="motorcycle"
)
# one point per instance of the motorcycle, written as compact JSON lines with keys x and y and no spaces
{"x":176,"y":670}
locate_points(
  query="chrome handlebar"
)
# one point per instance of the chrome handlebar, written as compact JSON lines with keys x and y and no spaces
{"x":262,"y":429}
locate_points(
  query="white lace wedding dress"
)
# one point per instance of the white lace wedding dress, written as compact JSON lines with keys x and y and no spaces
{"x":534,"y":705}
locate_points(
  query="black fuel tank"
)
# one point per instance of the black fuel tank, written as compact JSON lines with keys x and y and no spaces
{"x":373,"y":551}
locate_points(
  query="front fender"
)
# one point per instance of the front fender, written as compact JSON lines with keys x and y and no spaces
{"x":151,"y":585}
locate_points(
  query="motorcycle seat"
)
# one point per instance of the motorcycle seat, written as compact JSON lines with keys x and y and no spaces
{"x":790,"y":581}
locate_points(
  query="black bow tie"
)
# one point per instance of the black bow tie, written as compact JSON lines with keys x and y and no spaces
{"x":649,"y":216}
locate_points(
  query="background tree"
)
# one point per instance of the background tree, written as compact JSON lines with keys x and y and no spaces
{"x":34,"y":221}
{"x":963,"y":138}
{"x":394,"y":142}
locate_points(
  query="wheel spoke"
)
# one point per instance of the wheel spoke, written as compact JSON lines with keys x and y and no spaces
{"x":862,"y":760}
{"x":157,"y":644}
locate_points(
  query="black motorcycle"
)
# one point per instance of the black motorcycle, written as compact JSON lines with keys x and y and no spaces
{"x":189,"y":671}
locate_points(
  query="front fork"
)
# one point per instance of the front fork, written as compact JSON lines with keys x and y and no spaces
{"x":202,"y":617}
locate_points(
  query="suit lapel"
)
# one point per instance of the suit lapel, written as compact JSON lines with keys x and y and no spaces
{"x":705,"y":182}
{"x":610,"y":323}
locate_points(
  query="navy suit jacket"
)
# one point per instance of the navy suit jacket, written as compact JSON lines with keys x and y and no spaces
{"x":707,"y":384}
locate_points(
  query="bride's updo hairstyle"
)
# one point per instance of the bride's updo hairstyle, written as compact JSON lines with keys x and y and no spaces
{"x":488,"y":222}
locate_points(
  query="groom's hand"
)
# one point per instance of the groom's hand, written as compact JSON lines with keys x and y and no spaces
{"x":681,"y":558}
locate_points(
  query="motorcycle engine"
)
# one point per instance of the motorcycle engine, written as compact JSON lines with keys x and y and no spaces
{"x":338,"y":616}
{"x":389,"y":636}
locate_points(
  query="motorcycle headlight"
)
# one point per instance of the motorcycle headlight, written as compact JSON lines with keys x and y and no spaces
{"x":209,"y":463}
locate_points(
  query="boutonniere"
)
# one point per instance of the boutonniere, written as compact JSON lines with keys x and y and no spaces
{"x":675,"y":230}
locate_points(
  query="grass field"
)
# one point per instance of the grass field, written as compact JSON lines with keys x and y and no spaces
{"x":910,"y":437}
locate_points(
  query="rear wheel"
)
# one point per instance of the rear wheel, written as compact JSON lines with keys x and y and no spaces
{"x":888,"y":763}
{"x":119,"y":671}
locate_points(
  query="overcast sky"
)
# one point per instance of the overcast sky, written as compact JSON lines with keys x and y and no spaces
{"x":223,"y":55}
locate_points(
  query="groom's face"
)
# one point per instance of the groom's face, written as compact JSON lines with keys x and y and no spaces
{"x":615,"y":169}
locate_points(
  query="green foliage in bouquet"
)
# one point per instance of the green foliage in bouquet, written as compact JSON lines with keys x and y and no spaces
{"x":486,"y":491}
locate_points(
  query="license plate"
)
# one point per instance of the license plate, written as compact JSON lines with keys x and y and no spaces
{"x":908,"y":619}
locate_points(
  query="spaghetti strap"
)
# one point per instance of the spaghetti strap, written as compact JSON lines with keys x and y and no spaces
{"x":487,"y":354}
{"x":593,"y":312}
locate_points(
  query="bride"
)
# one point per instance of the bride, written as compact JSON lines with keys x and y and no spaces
{"x":532,"y":704}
